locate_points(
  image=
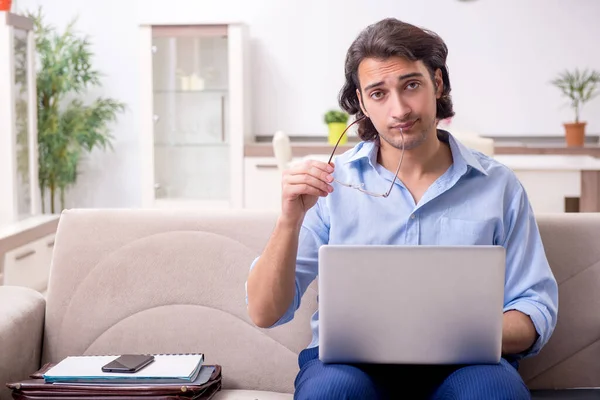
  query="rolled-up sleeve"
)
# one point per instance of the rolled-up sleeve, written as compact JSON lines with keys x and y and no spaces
{"x":530,"y":284}
{"x":313,"y":234}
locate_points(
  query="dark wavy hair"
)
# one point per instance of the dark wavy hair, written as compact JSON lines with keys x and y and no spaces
{"x":387,"y":38}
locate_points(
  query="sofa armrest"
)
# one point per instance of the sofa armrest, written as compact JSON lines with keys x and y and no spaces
{"x":22,"y":313}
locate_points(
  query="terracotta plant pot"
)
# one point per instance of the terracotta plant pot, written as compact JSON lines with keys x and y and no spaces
{"x":575,"y":134}
{"x":5,"y":5}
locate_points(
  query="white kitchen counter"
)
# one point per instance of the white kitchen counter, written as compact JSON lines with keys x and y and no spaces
{"x":549,"y":162}
{"x":549,"y":179}
{"x":528,"y":162}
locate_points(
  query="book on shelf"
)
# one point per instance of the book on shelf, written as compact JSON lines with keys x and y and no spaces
{"x":166,"y":368}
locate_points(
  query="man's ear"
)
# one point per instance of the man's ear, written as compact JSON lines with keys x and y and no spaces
{"x":439,"y":83}
{"x":360,"y":103}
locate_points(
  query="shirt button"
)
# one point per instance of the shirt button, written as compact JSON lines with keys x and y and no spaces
{"x":412,"y":216}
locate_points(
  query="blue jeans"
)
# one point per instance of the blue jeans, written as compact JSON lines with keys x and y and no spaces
{"x":343,"y":381}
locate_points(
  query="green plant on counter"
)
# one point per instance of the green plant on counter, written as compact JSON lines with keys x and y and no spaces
{"x":68,"y":127}
{"x":579,"y":87}
{"x":333,"y":116}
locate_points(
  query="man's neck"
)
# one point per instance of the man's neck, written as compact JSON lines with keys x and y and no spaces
{"x":432,"y":157}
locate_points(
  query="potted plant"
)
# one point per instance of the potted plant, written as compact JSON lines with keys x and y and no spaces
{"x":68,"y":126}
{"x":336,"y":122}
{"x":579,"y":87}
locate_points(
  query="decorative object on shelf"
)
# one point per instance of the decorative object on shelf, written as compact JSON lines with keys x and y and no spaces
{"x":282,"y":149}
{"x":67,"y":127}
{"x":191,"y":82}
{"x":5,"y":5}
{"x":579,"y":87}
{"x":336,"y":122}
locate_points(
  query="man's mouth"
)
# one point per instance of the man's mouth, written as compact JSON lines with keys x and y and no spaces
{"x":404,"y":125}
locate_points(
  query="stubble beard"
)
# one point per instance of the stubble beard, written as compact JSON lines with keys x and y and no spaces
{"x":411,"y":141}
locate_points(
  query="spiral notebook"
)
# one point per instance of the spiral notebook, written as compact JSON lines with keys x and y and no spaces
{"x":166,"y":368}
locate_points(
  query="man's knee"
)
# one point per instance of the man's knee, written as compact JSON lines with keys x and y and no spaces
{"x":484,"y":381}
{"x":336,"y":382}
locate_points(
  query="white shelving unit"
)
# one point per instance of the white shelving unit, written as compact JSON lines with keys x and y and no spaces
{"x":18,"y":120}
{"x":195,"y":114}
{"x":26,"y":251}
{"x":26,"y":236}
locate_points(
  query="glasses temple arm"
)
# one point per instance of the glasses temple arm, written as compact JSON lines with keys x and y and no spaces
{"x":341,"y":136}
{"x":399,"y":164}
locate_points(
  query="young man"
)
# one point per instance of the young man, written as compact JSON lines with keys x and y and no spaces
{"x":443,"y":194}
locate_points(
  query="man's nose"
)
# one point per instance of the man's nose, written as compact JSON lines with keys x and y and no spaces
{"x":399,"y":108}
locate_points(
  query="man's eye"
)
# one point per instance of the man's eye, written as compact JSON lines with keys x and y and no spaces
{"x":413,"y":85}
{"x":376,"y":95}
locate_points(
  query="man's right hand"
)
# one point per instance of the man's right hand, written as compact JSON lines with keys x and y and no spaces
{"x":302,"y":185}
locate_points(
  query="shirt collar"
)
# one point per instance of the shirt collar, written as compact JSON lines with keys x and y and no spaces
{"x":460,"y":153}
{"x":367,"y":149}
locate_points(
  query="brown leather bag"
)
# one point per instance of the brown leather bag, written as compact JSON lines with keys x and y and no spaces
{"x":36,"y":388}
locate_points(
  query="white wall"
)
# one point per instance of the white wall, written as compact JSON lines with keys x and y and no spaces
{"x":502,"y":56}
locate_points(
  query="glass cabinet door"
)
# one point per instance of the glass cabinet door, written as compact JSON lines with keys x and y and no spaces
{"x":190,"y":105}
{"x":18,"y":124}
{"x":21,"y":96}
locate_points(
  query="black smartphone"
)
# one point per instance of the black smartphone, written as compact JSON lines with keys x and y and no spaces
{"x":128,"y":363}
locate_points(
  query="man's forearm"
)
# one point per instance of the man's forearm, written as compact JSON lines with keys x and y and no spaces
{"x":271,"y":284}
{"x":518,"y":332}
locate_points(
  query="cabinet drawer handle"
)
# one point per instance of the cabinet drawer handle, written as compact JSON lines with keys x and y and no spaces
{"x":266,"y":166}
{"x":24,"y":255}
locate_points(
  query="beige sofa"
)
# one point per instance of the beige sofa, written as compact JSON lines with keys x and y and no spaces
{"x":173,"y":281}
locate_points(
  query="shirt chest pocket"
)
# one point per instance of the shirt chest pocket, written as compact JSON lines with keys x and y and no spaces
{"x":461,"y":232}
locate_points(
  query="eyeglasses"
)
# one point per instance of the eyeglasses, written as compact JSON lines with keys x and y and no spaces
{"x":360,"y":186}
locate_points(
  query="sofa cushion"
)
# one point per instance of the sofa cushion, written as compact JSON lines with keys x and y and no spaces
{"x":570,"y":359}
{"x":166,"y":282}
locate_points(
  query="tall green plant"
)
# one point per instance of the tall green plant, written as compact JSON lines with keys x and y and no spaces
{"x":579,"y":87}
{"x":68,"y":127}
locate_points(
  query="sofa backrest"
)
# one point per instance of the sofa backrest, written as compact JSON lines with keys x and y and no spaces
{"x":173,"y":281}
{"x":158,"y":281}
{"x":572,"y":356}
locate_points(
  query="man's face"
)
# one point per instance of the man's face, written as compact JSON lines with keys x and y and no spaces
{"x":397,"y":93}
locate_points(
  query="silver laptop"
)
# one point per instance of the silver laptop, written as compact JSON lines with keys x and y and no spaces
{"x":410,"y":304}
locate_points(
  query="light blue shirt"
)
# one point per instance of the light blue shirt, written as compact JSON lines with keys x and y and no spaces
{"x":477,"y":201}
